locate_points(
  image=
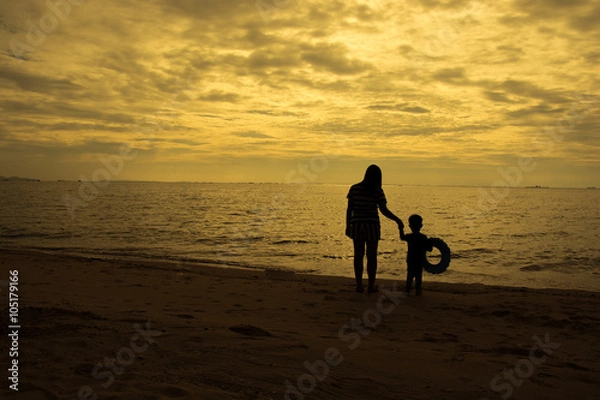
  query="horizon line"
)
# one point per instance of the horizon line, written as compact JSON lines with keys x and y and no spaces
{"x":19,"y":179}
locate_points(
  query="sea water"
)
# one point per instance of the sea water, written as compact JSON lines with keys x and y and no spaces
{"x":533,"y":237}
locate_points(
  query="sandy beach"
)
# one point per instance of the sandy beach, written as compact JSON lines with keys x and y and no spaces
{"x":135,"y":329}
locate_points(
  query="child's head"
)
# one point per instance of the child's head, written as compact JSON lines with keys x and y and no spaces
{"x":415,"y":222}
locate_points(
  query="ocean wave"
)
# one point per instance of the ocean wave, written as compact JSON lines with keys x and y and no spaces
{"x":287,"y":254}
{"x":37,"y":235}
{"x":568,"y":265}
{"x":529,"y":235}
{"x":474,"y":253}
{"x":291,"y":241}
{"x":204,"y":240}
{"x":235,"y":239}
{"x":533,"y":268}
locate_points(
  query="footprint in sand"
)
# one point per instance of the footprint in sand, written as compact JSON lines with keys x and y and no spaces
{"x":249,"y":330}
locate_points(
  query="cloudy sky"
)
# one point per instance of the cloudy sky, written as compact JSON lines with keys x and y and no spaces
{"x":434,"y":91}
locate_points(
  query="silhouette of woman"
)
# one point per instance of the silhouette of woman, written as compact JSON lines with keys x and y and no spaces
{"x":362,"y":223}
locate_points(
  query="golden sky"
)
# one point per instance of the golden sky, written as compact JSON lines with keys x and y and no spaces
{"x":433,"y":91}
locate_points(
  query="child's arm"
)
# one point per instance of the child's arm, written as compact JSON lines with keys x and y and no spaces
{"x":402,"y":235}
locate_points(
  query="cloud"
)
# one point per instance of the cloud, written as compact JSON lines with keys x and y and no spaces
{"x":578,"y":15}
{"x":543,"y":109}
{"x":442,"y":4}
{"x":499,"y":97}
{"x":56,"y":112}
{"x":155,"y":140}
{"x":252,"y":134}
{"x":399,"y":108}
{"x":39,"y":83}
{"x":531,"y":90}
{"x":333,"y":57}
{"x":587,"y":22}
{"x":212,"y":11}
{"x":275,"y":113}
{"x":59,"y":150}
{"x":453,"y":76}
{"x":592,"y":57}
{"x":435,"y":131}
{"x":415,"y":110}
{"x":220,"y":96}
{"x":275,"y":57}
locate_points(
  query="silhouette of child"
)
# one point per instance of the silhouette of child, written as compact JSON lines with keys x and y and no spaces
{"x":417,"y":246}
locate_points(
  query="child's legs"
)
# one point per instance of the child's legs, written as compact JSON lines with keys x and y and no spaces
{"x":412,"y":274}
{"x":418,"y":279}
{"x":372,"y":261}
{"x":409,"y":279}
{"x":359,"y":255}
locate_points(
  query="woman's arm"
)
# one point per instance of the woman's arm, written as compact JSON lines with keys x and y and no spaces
{"x":386,"y":212}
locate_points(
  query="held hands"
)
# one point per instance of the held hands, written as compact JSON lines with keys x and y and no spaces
{"x":401,"y":229}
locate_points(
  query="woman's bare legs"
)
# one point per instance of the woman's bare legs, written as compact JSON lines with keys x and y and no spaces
{"x":372,"y":264}
{"x":359,"y":255}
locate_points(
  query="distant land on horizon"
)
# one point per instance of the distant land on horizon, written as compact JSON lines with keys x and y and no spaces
{"x":17,"y":178}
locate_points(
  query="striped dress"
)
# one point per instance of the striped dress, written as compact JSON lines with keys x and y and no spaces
{"x":364,"y":219}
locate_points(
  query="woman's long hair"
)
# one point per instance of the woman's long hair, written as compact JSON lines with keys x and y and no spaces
{"x":372,"y":180}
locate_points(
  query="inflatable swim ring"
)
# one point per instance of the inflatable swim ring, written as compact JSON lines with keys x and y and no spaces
{"x":444,"y":262}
